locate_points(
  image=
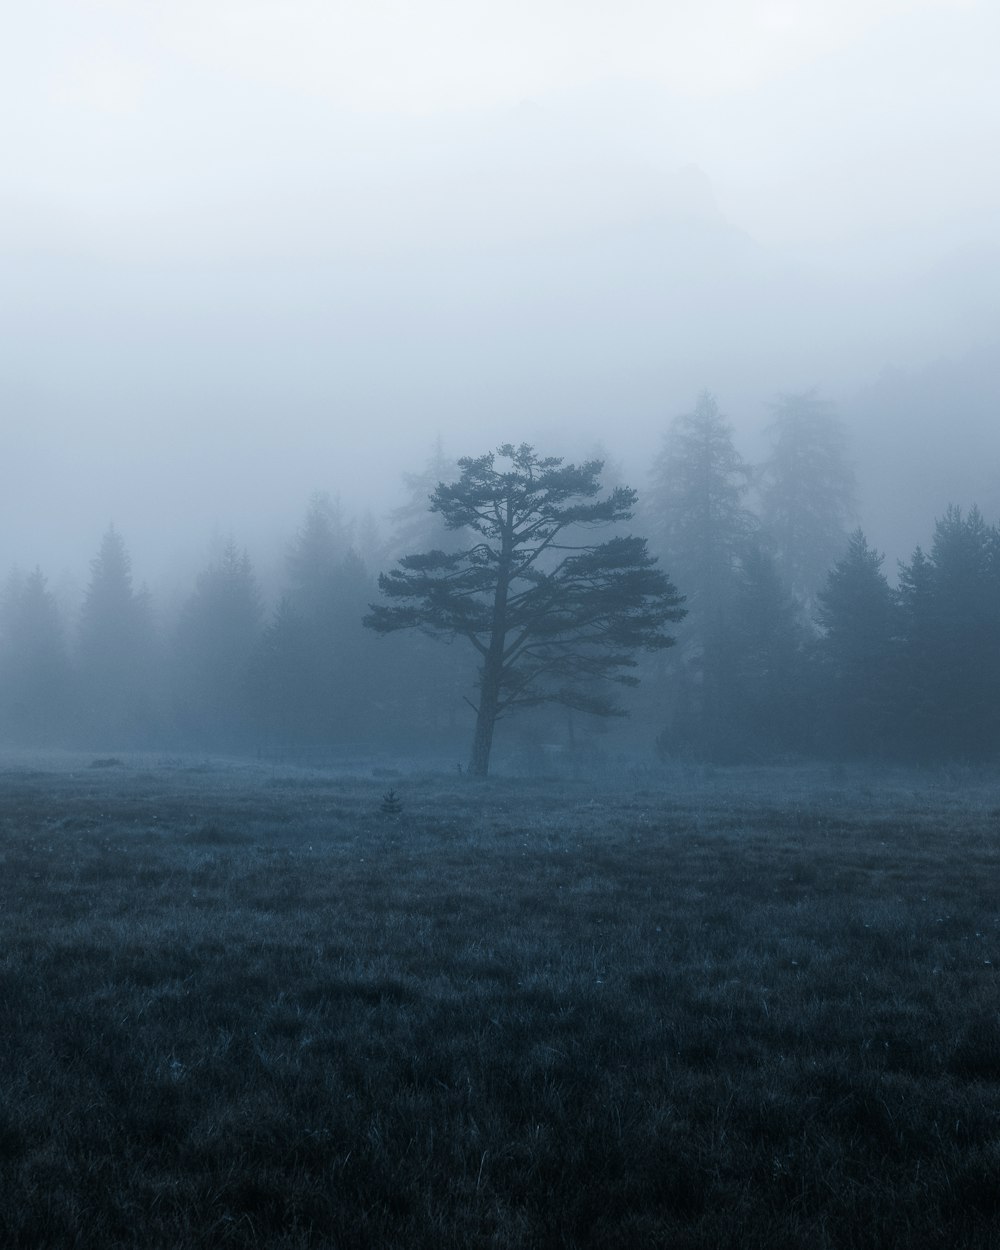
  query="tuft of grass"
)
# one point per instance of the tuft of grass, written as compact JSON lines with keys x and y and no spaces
{"x":753,"y":1009}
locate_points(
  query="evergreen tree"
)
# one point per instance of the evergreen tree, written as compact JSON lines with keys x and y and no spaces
{"x":703,"y":531}
{"x":415,"y":526}
{"x":282,"y":678}
{"x":860,"y":617}
{"x":951,"y":603}
{"x":116,"y":652}
{"x":216,"y":636}
{"x":423,"y":682}
{"x":807,"y":491}
{"x":317,"y":550}
{"x":316,"y":645}
{"x":767,"y":641}
{"x":35,"y":675}
{"x":547,"y":622}
{"x":696,"y":508}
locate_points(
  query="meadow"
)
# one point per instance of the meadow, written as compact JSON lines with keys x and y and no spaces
{"x":243,"y":1005}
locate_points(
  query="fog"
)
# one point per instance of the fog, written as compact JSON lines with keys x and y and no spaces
{"x":252,"y":251}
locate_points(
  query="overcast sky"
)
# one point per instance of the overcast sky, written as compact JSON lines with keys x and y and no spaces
{"x":254,"y":249}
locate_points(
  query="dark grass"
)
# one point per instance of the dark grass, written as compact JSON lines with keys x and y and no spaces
{"x":244,"y":1007}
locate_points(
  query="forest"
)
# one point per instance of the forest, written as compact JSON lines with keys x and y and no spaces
{"x":789,"y":639}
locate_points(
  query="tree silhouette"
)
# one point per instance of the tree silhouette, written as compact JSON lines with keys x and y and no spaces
{"x":807,"y":491}
{"x":703,"y":531}
{"x":859,"y":614}
{"x":115,"y":649}
{"x":216,"y":636}
{"x":950,"y":677}
{"x":35,"y":675}
{"x":551,"y":623}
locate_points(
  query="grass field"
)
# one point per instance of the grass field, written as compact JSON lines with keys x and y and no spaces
{"x":243,"y":1006}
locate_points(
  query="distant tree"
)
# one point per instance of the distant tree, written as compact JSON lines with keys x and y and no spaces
{"x":116,"y":652}
{"x":370,"y":545}
{"x":425,"y":684}
{"x":703,"y":531}
{"x":951,"y":653}
{"x":859,"y":614}
{"x":313,"y":677}
{"x":547,"y":621}
{"x":767,"y":642}
{"x":35,"y":675}
{"x":807,"y":491}
{"x":414,"y":525}
{"x":742,"y":693}
{"x":215,"y":638}
{"x":319,"y":546}
{"x":282,"y":680}
{"x":696,"y":507}
{"x":917,"y":695}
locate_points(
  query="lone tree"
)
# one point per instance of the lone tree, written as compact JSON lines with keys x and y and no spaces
{"x":553,"y":619}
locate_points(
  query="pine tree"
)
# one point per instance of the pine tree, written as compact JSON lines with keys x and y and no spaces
{"x":549,"y":624}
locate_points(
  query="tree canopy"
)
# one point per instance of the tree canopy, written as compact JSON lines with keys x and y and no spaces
{"x":553,"y":619}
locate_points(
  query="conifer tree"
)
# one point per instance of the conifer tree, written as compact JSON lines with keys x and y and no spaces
{"x":859,"y":614}
{"x":215,"y":638}
{"x":35,"y":675}
{"x":703,"y":531}
{"x":807,"y":491}
{"x":116,"y":652}
{"x":951,"y":657}
{"x":550,"y":623}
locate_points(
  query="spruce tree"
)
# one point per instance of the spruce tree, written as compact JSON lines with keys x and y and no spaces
{"x":859,"y":614}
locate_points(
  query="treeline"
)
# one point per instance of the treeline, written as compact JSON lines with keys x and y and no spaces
{"x":795,"y":642}
{"x":229,"y":671}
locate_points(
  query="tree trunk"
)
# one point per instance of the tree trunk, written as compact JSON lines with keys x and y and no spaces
{"x":489,"y":687}
{"x":482,"y":742}
{"x":486,"y":715}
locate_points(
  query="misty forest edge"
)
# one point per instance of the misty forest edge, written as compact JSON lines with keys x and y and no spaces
{"x":787,"y":638}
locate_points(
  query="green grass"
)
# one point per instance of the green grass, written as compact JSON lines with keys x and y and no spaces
{"x":245,"y":1007}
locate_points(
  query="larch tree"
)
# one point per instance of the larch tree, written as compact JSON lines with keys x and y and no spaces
{"x":552,"y":621}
